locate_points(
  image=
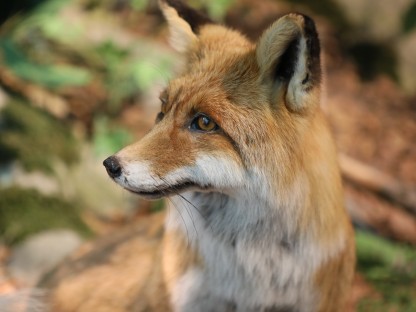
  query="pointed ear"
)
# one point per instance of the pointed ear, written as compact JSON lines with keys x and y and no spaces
{"x":184,"y":23}
{"x":288,"y":54}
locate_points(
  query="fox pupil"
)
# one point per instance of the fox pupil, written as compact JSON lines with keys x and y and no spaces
{"x":205,"y":121}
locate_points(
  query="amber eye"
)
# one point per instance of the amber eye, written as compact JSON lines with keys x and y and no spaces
{"x":203,"y":123}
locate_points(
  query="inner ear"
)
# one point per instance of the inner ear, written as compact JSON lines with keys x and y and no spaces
{"x":286,"y":64}
{"x":288,"y":58}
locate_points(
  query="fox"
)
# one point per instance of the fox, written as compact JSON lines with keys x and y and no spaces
{"x":241,"y":148}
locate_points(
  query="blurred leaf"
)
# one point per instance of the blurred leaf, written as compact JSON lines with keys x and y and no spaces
{"x":409,"y":19}
{"x":47,"y":10}
{"x":146,"y":73}
{"x":158,"y":205}
{"x":375,"y":252}
{"x":46,"y":75}
{"x":24,"y":212}
{"x":138,"y":5}
{"x":111,"y":54}
{"x":217,"y":9}
{"x":35,"y":138}
{"x":129,"y":73}
{"x":108,"y":139}
{"x":53,"y":27}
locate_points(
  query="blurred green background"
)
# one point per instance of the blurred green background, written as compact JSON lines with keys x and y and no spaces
{"x":79,"y":79}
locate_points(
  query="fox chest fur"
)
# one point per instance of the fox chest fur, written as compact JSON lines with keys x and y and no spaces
{"x":256,"y":220}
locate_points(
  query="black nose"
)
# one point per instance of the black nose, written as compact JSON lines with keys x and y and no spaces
{"x":113,"y":166}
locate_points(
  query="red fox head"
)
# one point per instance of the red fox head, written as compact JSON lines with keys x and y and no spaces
{"x":238,"y":110}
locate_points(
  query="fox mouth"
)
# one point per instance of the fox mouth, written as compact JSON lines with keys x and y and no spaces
{"x":167,"y":190}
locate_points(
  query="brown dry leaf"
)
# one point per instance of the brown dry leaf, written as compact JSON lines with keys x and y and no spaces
{"x":382,"y":216}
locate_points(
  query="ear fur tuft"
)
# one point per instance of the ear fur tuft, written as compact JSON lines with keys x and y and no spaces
{"x":194,"y":18}
{"x":184,"y":23}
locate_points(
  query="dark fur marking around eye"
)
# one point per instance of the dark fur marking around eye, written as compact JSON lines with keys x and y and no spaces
{"x":195,"y":18}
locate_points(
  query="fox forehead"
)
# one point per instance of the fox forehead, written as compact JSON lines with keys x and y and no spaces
{"x":233,"y":110}
{"x":216,"y":84}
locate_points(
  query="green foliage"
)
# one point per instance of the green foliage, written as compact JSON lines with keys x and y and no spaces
{"x":117,"y":74}
{"x":111,"y":55}
{"x":123,"y":71}
{"x":391,"y":269}
{"x":34,"y":137}
{"x":157,"y":205}
{"x":49,"y":76}
{"x":146,"y":72}
{"x":409,"y":19}
{"x":24,"y":212}
{"x":217,"y":9}
{"x":138,"y":5}
{"x":109,"y":139}
{"x":127,"y":75}
{"x":46,"y":22}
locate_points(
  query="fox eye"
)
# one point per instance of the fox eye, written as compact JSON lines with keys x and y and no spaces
{"x":203,"y":123}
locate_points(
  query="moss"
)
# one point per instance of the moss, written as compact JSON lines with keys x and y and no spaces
{"x":391,"y":268}
{"x":24,"y":212}
{"x":158,"y":205}
{"x":409,"y":19}
{"x":34,"y":137}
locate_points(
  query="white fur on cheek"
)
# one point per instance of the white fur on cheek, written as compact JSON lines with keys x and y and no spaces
{"x":217,"y":171}
{"x":135,"y":175}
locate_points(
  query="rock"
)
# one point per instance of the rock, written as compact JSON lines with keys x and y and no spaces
{"x":45,"y":184}
{"x":88,"y":183}
{"x":41,"y":253}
